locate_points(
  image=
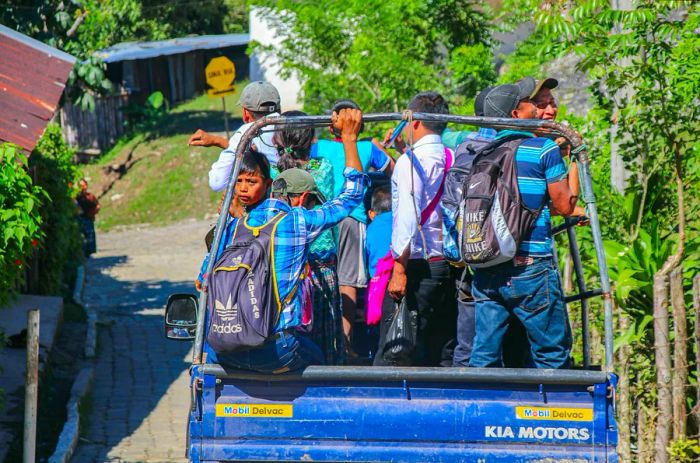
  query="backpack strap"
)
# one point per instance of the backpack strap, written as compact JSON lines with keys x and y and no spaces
{"x":427,"y":212}
{"x":256,"y":230}
{"x":274,"y":222}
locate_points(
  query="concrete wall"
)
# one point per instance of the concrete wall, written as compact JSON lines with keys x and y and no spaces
{"x":265,"y":67}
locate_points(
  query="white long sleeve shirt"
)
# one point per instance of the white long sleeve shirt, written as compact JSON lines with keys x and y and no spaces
{"x":221,"y":170}
{"x":430,"y":153}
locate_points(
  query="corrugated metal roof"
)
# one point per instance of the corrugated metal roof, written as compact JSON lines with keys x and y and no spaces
{"x":32,"y":78}
{"x":142,"y":50}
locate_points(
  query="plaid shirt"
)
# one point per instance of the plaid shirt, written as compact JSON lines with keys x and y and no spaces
{"x":293,"y":237}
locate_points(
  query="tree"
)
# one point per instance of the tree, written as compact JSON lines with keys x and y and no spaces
{"x":381,"y":53}
{"x":647,"y":68}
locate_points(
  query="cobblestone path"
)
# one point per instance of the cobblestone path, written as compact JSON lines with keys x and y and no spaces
{"x":140,"y":395}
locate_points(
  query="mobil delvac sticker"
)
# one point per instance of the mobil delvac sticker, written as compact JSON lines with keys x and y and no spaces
{"x":254,"y":410}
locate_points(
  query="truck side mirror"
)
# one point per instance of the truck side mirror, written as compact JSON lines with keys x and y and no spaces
{"x":181,"y":317}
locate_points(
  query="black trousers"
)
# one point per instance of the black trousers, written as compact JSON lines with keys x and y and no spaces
{"x":430,"y":296}
{"x":466,"y":322}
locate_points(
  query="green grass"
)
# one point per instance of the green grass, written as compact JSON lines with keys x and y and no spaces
{"x":204,"y":103}
{"x":170,"y":181}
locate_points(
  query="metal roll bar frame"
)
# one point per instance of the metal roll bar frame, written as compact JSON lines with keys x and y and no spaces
{"x":542,"y":127}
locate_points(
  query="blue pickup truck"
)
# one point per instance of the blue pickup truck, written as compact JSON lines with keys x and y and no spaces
{"x":404,"y":414}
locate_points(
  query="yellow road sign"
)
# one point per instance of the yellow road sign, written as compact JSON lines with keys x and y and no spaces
{"x":220,"y":73}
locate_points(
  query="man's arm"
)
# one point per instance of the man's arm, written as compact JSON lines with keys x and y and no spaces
{"x":380,"y":159}
{"x":405,"y":223}
{"x":202,"y":138}
{"x":560,"y":193}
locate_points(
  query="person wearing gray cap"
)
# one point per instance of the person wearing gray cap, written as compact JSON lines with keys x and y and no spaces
{"x":528,"y":286}
{"x":258,"y":99}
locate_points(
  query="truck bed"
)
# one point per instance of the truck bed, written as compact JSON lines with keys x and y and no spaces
{"x":372,"y":414}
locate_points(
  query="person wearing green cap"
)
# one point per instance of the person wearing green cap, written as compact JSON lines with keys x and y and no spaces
{"x":294,"y":196}
{"x":297,"y":170}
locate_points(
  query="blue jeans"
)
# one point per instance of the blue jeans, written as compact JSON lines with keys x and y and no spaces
{"x":531,"y":293}
{"x":288,"y":352}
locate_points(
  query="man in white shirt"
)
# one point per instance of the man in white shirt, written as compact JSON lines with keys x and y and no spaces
{"x":258,"y":99}
{"x":421,"y":274}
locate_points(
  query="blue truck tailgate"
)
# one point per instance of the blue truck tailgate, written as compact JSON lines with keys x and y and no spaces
{"x":372,"y":414}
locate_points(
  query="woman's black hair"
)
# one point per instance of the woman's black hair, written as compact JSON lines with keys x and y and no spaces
{"x":253,"y":162}
{"x":293,"y":145}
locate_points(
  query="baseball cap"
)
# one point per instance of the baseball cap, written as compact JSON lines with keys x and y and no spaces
{"x":526,"y":87}
{"x":261,"y":97}
{"x":548,"y":82}
{"x":502,"y":100}
{"x":296,"y":181}
{"x":479,"y":101}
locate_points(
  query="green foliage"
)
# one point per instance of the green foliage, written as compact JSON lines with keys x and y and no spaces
{"x":381,"y":53}
{"x":20,"y":220}
{"x":472,"y":70}
{"x":684,"y":450}
{"x":60,"y":252}
{"x":144,"y":118}
{"x":644,"y":69}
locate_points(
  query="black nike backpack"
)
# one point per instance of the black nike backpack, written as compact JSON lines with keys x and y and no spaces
{"x":493,"y":220}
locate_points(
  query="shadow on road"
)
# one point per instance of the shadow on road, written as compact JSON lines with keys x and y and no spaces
{"x":140,"y":396}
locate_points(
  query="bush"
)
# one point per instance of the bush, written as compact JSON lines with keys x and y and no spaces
{"x":20,"y":219}
{"x":61,"y":251}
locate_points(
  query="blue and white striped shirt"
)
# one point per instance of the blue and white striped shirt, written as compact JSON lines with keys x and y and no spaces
{"x":539,"y":163}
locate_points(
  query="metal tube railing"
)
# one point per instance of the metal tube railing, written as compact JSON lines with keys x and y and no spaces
{"x":542,"y":127}
{"x":497,"y":376}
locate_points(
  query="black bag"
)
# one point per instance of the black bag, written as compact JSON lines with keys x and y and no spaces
{"x":400,"y":341}
{"x":494,"y":219}
{"x":455,"y":179}
{"x":243,"y":306}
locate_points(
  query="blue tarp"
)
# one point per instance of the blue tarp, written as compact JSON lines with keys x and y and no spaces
{"x":141,"y":50}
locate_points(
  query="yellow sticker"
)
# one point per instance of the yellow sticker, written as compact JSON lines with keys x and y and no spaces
{"x":554,"y":414}
{"x":254,"y":410}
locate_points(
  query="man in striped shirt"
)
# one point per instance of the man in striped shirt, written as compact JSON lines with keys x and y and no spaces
{"x":528,"y":287}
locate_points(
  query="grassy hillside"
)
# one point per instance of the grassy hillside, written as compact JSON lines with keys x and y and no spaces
{"x":168,"y":179}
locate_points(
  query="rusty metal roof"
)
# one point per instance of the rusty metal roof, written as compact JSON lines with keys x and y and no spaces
{"x":141,"y":50}
{"x":32,"y":78}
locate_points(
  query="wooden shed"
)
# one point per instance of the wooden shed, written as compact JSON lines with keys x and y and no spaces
{"x":136,"y":69}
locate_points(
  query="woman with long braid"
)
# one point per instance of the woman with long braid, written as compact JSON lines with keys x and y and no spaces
{"x":294,"y":147}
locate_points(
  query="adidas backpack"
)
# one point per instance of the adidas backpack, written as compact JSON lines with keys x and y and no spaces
{"x":493,"y":219}
{"x":244,"y":306}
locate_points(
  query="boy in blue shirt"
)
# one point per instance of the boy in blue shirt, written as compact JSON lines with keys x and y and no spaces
{"x":379,"y":229}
